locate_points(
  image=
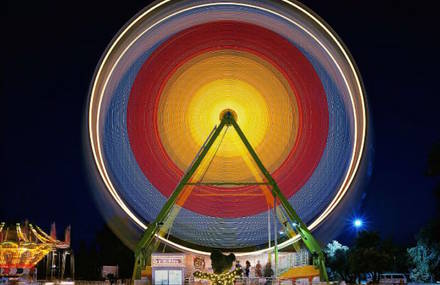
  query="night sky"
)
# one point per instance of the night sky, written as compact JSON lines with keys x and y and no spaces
{"x":49,"y":53}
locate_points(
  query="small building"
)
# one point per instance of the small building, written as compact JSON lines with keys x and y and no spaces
{"x":168,"y":268}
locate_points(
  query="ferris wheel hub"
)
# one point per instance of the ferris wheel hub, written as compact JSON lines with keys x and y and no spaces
{"x":228,"y":114}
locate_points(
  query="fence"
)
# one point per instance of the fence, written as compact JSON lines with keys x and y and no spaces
{"x":191,"y":281}
{"x":260,"y":281}
{"x":188,"y":281}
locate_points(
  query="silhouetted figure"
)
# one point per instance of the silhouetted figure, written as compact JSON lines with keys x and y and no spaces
{"x":268,"y":272}
{"x":238,"y":268}
{"x":247,"y":269}
{"x":221,"y":263}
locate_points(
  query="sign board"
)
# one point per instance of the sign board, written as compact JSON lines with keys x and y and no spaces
{"x":168,"y":268}
{"x":106,"y":270}
{"x":167,"y":260}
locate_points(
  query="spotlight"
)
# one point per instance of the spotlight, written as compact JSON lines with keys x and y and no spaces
{"x":358,"y":223}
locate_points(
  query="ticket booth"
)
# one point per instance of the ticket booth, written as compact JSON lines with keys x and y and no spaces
{"x":168,"y":268}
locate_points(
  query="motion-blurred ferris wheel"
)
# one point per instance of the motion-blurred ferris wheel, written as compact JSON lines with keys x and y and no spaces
{"x":165,"y":82}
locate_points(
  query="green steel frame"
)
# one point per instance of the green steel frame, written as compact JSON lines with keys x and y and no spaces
{"x":143,"y":248}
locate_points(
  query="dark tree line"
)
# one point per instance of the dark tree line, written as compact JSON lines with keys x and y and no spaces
{"x":106,"y":249}
{"x":425,"y":256}
{"x":369,"y":254}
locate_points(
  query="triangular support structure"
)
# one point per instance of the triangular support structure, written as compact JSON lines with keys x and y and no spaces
{"x":143,"y":248}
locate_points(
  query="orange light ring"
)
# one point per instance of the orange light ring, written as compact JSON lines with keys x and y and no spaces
{"x":358,"y":103}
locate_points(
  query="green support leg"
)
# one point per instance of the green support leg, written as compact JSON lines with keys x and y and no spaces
{"x":142,"y":251}
{"x":141,"y":256}
{"x":308,"y":239}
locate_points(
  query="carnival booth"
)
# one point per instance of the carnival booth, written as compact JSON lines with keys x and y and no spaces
{"x":168,"y":268}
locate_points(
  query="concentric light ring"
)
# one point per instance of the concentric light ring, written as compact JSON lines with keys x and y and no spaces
{"x":108,"y":64}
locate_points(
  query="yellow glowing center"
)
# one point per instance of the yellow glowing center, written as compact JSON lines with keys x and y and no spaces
{"x":190,"y":106}
{"x":216,"y":96}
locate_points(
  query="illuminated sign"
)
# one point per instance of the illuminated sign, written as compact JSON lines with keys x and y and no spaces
{"x":162,"y":260}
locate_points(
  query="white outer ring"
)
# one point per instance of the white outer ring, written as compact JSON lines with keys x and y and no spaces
{"x":93,"y":119}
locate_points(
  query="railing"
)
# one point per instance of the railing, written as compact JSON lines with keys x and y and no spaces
{"x":257,"y":281}
{"x":192,"y":281}
{"x":106,"y":282}
{"x":85,"y":282}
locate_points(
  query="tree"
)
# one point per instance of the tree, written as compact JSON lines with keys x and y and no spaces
{"x":399,"y":256}
{"x":221,"y":264}
{"x":337,"y":260}
{"x":425,"y":256}
{"x":369,"y":255}
{"x":111,"y":251}
{"x":86,"y":262}
{"x":106,"y":249}
{"x":433,"y":165}
{"x":424,"y":260}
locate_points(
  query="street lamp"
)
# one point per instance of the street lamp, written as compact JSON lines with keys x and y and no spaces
{"x":358,"y":223}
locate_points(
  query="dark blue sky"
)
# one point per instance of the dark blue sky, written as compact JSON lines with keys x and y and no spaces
{"x":49,"y":52}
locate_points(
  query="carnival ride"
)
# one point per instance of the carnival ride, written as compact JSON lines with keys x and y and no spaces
{"x":21,"y":248}
{"x":211,"y":122}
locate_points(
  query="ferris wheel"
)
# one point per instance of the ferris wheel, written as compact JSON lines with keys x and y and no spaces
{"x":207,"y":117}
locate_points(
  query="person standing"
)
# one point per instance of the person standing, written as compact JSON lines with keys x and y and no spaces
{"x":247,"y":269}
{"x":238,"y":268}
{"x":258,"y":272}
{"x":268,"y":273}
